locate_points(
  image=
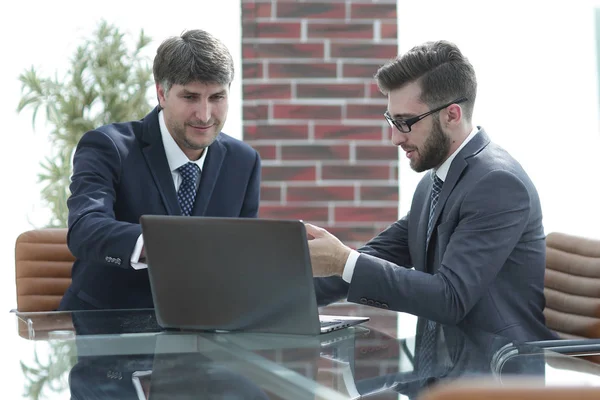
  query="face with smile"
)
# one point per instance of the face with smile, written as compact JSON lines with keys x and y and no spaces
{"x":194,"y":114}
{"x":427,"y":146}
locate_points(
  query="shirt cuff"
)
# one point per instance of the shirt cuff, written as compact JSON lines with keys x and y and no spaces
{"x":135,"y":256}
{"x":350,"y":264}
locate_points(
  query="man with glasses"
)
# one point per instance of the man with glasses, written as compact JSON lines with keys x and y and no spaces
{"x":471,"y":251}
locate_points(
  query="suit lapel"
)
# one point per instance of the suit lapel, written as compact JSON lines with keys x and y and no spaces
{"x":457,"y":168}
{"x":210,"y":173}
{"x":156,"y":159}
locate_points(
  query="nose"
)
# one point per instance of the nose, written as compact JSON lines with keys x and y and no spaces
{"x":203,"y":110}
{"x":398,"y":138}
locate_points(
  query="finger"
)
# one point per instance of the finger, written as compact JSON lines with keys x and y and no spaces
{"x":313,"y":231}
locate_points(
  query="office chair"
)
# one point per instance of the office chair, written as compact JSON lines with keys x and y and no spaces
{"x":477,"y":391}
{"x":572,"y":286}
{"x":43,"y":265}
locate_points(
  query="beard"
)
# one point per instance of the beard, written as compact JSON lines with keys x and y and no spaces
{"x":179,"y":132}
{"x":434,"y":150}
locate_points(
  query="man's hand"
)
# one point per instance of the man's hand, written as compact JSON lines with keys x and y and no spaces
{"x":327,"y":254}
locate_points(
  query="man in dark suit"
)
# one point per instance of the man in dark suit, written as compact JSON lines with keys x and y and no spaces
{"x":471,"y":251}
{"x":175,"y":161}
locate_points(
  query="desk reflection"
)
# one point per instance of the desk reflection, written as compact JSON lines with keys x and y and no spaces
{"x":145,"y":362}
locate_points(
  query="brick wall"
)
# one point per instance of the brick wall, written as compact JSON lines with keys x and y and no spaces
{"x":312,"y":110}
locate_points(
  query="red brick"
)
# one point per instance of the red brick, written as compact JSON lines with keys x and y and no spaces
{"x":377,"y":152}
{"x":340,"y":31}
{"x":394,"y":172}
{"x":320,"y":193}
{"x":349,"y":132}
{"x":304,"y":213}
{"x":373,"y":11}
{"x":374,"y":92}
{"x":380,"y":227}
{"x":364,"y":50}
{"x":379,"y":193}
{"x":277,"y":132}
{"x":365,"y":111}
{"x":356,"y":172}
{"x":252,"y":70}
{"x":315,"y":152}
{"x":282,"y":50}
{"x":304,"y":112}
{"x":254,"y":113}
{"x":254,"y":91}
{"x":285,"y":30}
{"x":270,"y":193}
{"x":288,"y":173}
{"x":361,"y":234}
{"x":267,"y":152}
{"x":311,"y":10}
{"x":387,"y":133}
{"x":389,"y":30}
{"x":331,"y":91}
{"x":252,"y":10}
{"x":302,"y":70}
{"x":343,"y":214}
{"x":361,"y":70}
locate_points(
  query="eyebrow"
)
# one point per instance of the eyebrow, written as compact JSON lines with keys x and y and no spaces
{"x":187,"y":92}
{"x":403,"y":116}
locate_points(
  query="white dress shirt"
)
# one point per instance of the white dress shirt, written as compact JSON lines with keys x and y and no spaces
{"x":176,"y":158}
{"x":441,"y":172}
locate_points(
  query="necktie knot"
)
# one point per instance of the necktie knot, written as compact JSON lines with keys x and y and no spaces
{"x":437,"y":185}
{"x":186,"y":195}
{"x":189,"y":171}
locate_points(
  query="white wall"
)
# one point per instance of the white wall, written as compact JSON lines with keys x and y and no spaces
{"x":537,"y":96}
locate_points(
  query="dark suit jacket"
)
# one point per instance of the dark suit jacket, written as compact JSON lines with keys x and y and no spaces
{"x":484,"y":265}
{"x":120,"y":172}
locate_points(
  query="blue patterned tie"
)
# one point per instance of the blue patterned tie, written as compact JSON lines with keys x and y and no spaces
{"x":427,"y":351}
{"x":426,"y":358}
{"x":186,"y":195}
{"x":435,"y":196}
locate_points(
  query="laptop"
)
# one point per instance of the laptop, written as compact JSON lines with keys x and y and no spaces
{"x":233,"y":274}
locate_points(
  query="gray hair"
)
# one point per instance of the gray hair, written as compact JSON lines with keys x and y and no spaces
{"x":195,"y":56}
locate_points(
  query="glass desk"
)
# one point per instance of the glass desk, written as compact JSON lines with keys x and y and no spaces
{"x":123,"y":354}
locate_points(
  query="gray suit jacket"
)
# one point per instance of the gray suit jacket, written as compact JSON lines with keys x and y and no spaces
{"x":484,"y":265}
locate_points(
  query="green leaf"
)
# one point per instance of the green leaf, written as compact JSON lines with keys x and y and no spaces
{"x":107,"y":81}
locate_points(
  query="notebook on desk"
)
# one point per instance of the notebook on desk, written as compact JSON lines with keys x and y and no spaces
{"x":233,"y":274}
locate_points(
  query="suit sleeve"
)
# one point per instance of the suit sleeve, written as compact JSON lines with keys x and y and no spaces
{"x":493,"y":217}
{"x":391,"y":245}
{"x":252,"y":197}
{"x":94,"y":234}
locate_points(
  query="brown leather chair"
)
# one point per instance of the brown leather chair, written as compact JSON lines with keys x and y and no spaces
{"x":43,"y":265}
{"x":572,"y":286}
{"x":462,"y":391}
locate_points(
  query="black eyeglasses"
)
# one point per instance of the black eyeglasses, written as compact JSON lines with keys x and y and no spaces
{"x":403,"y":125}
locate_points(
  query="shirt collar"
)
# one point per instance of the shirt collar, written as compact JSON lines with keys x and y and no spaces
{"x":442,"y":171}
{"x":175,"y":156}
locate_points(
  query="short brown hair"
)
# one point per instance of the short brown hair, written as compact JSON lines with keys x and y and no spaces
{"x":442,"y":71}
{"x":195,"y":56}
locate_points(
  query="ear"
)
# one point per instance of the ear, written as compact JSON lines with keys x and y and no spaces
{"x":160,"y":93}
{"x":453,"y":115}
